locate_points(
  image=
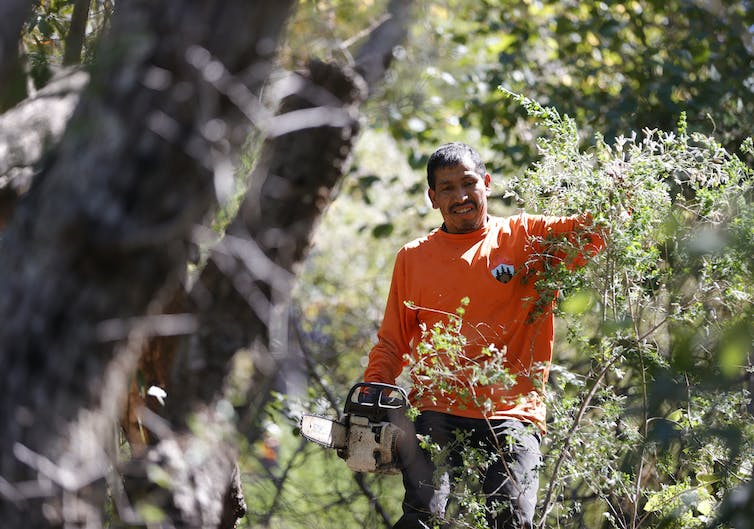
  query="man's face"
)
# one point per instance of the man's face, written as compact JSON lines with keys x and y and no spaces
{"x":461,"y":196}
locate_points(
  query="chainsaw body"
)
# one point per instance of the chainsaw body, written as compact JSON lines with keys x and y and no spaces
{"x":367,"y":436}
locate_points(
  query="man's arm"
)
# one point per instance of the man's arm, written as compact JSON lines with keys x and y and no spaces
{"x":585,"y":237}
{"x":386,"y":359}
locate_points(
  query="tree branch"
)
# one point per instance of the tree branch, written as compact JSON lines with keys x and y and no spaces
{"x":373,"y":499}
{"x":29,"y":130}
{"x":376,"y":54}
{"x":74,"y":41}
{"x":585,"y":403}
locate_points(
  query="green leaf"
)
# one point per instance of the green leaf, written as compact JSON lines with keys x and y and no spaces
{"x":157,"y":475}
{"x":675,"y":416}
{"x":382,"y":230}
{"x":578,"y":302}
{"x":734,"y":350}
{"x":150,"y":514}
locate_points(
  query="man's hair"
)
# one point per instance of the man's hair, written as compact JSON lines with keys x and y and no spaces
{"x":450,"y":155}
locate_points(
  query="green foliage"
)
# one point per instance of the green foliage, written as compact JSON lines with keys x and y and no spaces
{"x":442,"y":365}
{"x":466,"y":505}
{"x":46,"y":30}
{"x":682,"y":505}
{"x":614,"y":67}
{"x":668,"y":339}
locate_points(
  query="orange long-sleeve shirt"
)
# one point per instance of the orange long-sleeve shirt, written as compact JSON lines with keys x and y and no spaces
{"x":493,"y":268}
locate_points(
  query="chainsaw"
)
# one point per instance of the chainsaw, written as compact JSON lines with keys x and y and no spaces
{"x":366,"y":436}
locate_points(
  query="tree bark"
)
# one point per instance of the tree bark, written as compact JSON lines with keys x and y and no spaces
{"x":28,"y":130}
{"x":242,"y":295}
{"x":103,"y":234}
{"x":13,"y":14}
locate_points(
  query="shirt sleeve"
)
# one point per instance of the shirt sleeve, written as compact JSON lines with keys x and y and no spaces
{"x":586,"y":238}
{"x":387,"y":357}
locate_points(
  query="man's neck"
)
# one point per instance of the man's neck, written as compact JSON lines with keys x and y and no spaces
{"x":486,"y":221}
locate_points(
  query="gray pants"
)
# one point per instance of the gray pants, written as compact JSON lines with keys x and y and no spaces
{"x":510,"y":481}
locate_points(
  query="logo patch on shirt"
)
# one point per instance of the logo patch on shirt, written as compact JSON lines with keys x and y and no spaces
{"x":503,"y":272}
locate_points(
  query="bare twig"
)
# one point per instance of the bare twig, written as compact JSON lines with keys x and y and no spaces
{"x":548,"y":503}
{"x":367,"y":491}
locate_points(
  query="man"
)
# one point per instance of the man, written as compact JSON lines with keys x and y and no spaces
{"x":487,"y":267}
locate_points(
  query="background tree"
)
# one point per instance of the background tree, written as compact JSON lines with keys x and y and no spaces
{"x":614,"y":67}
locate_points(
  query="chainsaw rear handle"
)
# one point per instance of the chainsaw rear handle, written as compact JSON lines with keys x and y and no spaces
{"x":375,"y":400}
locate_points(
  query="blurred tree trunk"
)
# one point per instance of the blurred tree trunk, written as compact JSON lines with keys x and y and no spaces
{"x":241,"y":298}
{"x":102,"y":235}
{"x":13,"y":14}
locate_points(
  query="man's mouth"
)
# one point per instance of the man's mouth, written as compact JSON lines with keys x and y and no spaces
{"x":463,"y":209}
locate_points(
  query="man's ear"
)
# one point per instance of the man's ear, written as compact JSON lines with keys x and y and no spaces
{"x":431,"y":195}
{"x":487,"y":184}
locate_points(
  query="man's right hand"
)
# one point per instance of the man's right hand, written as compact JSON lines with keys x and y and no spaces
{"x":368,"y":395}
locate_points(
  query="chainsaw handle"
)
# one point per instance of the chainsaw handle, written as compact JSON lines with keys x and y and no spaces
{"x":386,"y":397}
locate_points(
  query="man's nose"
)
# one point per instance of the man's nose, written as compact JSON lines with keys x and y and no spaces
{"x":460,"y":194}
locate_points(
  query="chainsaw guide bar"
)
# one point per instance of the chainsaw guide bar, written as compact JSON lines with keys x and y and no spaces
{"x":324,"y":431}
